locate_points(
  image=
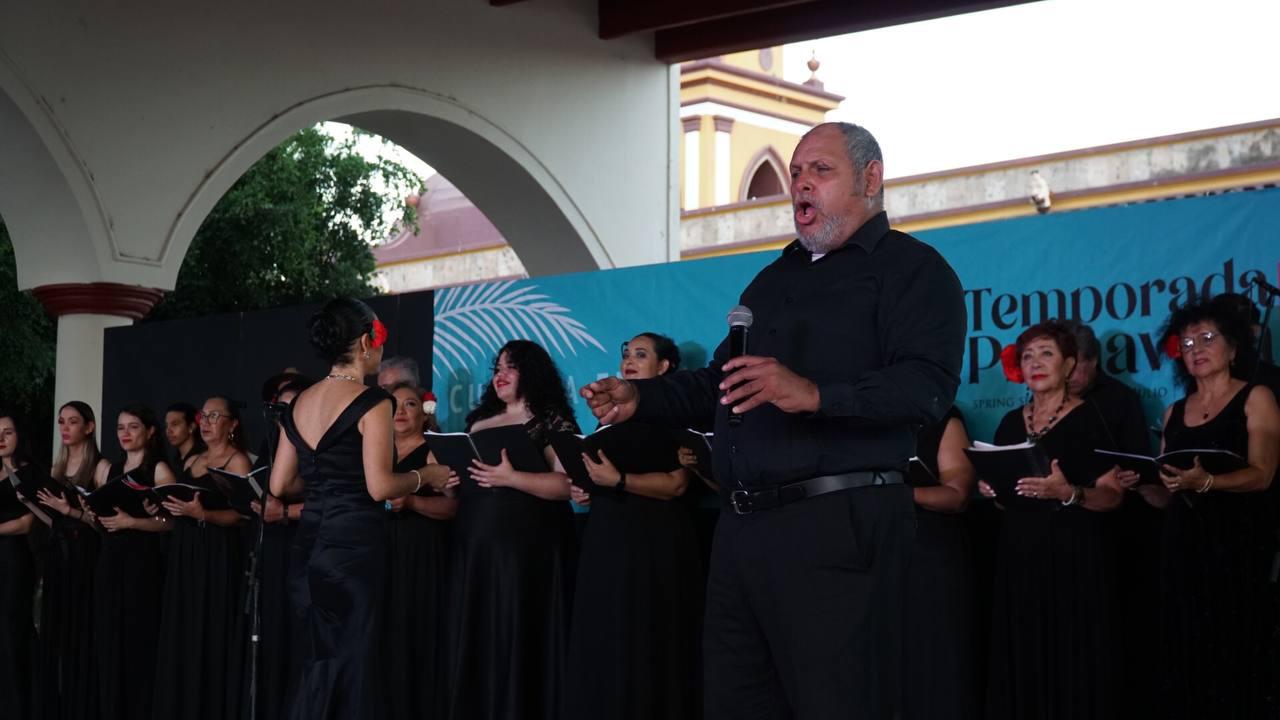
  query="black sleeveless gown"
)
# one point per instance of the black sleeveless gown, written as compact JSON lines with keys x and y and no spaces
{"x":940,"y":645}
{"x":637,"y":607}
{"x":337,"y":572}
{"x":277,"y":661}
{"x":277,"y":665}
{"x":1216,"y":549}
{"x":510,"y":586}
{"x":414,"y":634}
{"x":65,"y":684}
{"x":17,"y":590}
{"x":1053,"y":643}
{"x":203,"y":631}
{"x":127,"y":590}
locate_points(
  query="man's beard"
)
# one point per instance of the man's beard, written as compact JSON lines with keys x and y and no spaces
{"x":821,"y":239}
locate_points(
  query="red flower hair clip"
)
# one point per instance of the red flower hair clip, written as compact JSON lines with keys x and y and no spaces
{"x":1173,"y":347}
{"x":1012,"y":368}
{"x":378,"y":335}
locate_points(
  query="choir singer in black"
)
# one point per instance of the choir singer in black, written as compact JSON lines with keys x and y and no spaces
{"x":857,"y":341}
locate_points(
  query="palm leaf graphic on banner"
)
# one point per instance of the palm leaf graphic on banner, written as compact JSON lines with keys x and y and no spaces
{"x":474,"y":321}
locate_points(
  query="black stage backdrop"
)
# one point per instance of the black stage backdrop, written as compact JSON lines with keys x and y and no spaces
{"x":161,"y":363}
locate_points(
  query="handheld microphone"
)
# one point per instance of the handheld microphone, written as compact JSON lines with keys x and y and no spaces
{"x":740,"y":319}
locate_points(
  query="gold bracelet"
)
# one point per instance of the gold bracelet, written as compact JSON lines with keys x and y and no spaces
{"x":419,"y":476}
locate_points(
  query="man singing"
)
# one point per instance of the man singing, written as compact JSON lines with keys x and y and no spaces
{"x":857,"y":341}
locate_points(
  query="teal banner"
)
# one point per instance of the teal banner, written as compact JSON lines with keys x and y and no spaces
{"x":1119,"y":269}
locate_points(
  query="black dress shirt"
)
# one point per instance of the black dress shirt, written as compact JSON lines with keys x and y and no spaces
{"x":877,"y":324}
{"x":1121,"y":415}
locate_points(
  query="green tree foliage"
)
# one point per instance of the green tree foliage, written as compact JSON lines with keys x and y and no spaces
{"x":297,"y":227}
{"x":27,"y":341}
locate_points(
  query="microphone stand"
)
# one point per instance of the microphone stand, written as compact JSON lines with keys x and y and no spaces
{"x":253,"y":574}
{"x":1267,"y":294}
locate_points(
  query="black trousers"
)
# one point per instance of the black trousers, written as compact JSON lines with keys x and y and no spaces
{"x":804,"y":608}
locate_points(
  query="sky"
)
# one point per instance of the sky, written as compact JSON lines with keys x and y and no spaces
{"x":1049,"y":76}
{"x":1041,"y":77}
{"x":373,"y":146}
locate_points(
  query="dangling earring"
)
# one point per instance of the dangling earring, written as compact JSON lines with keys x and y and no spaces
{"x":366,"y":354}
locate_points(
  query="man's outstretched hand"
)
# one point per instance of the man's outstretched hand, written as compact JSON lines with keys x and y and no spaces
{"x":612,"y":400}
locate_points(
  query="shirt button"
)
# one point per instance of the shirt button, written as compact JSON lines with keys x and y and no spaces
{"x":787,"y":300}
{"x":733,"y":449}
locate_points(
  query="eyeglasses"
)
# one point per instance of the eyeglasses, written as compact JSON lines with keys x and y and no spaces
{"x":1204,"y":340}
{"x":210,"y":418}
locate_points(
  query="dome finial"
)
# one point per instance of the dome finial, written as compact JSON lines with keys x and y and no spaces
{"x":813,"y":64}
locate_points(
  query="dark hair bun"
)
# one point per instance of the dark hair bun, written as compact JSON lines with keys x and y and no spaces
{"x":325,"y":337}
{"x":336,"y":326}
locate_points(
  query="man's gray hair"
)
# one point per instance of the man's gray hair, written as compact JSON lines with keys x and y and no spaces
{"x":1086,"y":341}
{"x":407,"y":364}
{"x":862,"y":148}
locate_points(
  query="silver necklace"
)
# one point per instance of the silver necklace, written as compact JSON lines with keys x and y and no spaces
{"x":339,"y":376}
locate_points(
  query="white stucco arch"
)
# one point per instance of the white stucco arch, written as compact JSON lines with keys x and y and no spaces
{"x":47,"y":199}
{"x":124,"y":125}
{"x":530,"y":206}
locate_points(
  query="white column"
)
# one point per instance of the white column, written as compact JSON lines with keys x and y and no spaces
{"x":79,"y":363}
{"x":84,"y":312}
{"x":692,"y":161}
{"x":724,"y":158}
{"x":675,"y":174}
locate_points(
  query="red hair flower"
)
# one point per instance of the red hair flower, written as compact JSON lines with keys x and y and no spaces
{"x":1173,"y":347}
{"x":1012,"y":368}
{"x":379,"y":333}
{"x":429,"y":402}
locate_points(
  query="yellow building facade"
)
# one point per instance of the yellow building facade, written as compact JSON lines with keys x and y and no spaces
{"x":741,"y":120}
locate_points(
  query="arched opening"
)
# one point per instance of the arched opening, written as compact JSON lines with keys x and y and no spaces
{"x":62,"y":233}
{"x":764,"y":177}
{"x":302,"y":224}
{"x":27,"y":345}
{"x":504,"y":180}
{"x":765,"y":183}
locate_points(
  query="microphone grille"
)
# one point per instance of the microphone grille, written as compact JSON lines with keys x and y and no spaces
{"x":741,"y":315}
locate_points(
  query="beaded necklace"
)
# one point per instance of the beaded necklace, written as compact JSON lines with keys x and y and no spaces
{"x":1032,"y":433}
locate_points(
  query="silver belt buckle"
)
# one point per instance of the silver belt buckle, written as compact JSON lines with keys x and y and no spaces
{"x":740,"y":495}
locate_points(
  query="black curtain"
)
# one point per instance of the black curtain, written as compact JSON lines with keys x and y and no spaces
{"x":161,"y":363}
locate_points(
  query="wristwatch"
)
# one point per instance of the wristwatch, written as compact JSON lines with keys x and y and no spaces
{"x":622,"y":481}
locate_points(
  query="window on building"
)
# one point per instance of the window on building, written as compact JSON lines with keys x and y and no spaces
{"x":766,"y":181}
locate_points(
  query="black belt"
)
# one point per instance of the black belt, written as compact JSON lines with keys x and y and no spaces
{"x":745,"y":502}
